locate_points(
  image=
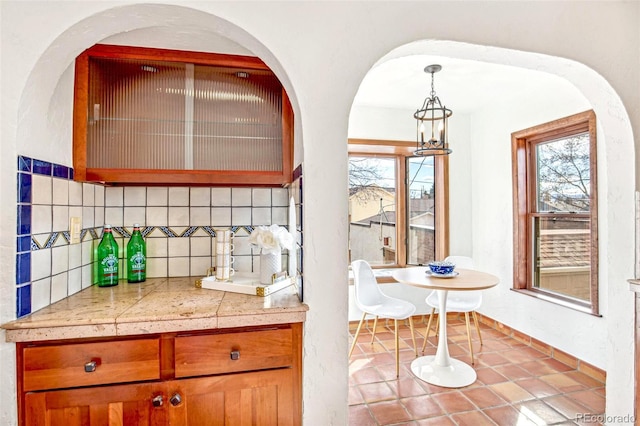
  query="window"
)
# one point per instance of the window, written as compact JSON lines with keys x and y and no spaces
{"x":421,"y":207}
{"x":372,"y":209}
{"x":555,"y":211}
{"x":396,"y":213}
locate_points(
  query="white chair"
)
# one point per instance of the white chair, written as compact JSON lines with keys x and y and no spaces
{"x":371,"y":300}
{"x":457,"y":301}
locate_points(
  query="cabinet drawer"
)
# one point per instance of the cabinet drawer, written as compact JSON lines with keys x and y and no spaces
{"x":64,"y":366}
{"x":232,"y":352}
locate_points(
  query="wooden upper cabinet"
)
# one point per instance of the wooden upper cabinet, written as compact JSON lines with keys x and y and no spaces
{"x":155,"y":116}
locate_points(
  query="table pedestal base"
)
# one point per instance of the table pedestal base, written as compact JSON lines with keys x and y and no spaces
{"x":457,"y":375}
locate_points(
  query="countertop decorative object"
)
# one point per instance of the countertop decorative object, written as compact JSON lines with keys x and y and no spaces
{"x":247,"y":283}
{"x":270,"y":240}
{"x":156,"y":306}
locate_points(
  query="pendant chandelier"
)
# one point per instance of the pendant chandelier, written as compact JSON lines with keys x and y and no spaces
{"x":432,"y":123}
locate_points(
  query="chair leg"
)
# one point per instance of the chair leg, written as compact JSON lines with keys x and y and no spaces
{"x":466,"y":319}
{"x":375,"y":325}
{"x":438,"y":324}
{"x":413,"y":336}
{"x":395,"y":324}
{"x":475,"y":319}
{"x":426,"y":337}
{"x":355,"y":339}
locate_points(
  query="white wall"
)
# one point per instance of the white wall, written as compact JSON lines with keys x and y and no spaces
{"x":321,"y":51}
{"x":366,"y":122}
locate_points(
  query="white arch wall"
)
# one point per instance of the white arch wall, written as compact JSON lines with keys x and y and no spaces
{"x":326,"y":49}
{"x":480,"y":191}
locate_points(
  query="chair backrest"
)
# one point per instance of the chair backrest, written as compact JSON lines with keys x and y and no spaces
{"x":367,"y":292}
{"x":463,"y":262}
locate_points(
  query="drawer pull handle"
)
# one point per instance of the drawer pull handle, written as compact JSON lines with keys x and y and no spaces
{"x":235,"y":355}
{"x":90,"y":366}
{"x":176,"y":399}
{"x":157,"y":401}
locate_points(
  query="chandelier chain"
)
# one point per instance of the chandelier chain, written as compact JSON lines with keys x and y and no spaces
{"x":433,"y":90}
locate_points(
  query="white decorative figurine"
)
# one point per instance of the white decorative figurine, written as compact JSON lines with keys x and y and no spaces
{"x":270,"y":240}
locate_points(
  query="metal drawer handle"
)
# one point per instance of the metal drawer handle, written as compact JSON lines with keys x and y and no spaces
{"x":157,"y":401}
{"x":90,"y":366}
{"x":176,"y":399}
{"x":235,"y":355}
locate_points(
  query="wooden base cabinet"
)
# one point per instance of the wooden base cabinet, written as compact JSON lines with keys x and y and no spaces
{"x":258,"y":398}
{"x":260,"y":394}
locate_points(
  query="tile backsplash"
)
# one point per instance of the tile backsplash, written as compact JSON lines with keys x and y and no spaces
{"x":178,"y":224}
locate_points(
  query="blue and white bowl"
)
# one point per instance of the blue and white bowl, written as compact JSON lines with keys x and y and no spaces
{"x":442,"y":267}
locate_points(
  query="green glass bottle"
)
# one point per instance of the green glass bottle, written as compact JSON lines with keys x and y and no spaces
{"x":136,"y":257}
{"x":107,"y":259}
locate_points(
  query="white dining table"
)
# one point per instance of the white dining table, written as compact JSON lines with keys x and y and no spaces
{"x":440,"y":369}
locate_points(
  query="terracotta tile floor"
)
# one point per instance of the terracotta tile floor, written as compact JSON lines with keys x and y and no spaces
{"x":516,"y":385}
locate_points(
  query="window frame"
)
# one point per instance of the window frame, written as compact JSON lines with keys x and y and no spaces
{"x":400,"y":151}
{"x":523,"y":144}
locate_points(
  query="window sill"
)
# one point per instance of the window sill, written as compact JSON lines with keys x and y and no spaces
{"x":562,"y":302}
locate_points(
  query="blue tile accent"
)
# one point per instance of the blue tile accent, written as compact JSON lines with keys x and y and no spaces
{"x":209,"y":230}
{"x":52,"y":239}
{"x":23,"y":243}
{"x":42,"y":167}
{"x":24,"y":188}
{"x":23,"y":300}
{"x":122,"y":231}
{"x":147,"y":230}
{"x":24,"y":164}
{"x":70,"y":173}
{"x":34,"y":244}
{"x":23,"y":268}
{"x":301,"y":193}
{"x":24,"y":219}
{"x":60,"y":171}
{"x":167,"y":231}
{"x":190,"y":230}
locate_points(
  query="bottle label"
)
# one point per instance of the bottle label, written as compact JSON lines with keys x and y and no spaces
{"x":110,"y":265}
{"x":137,"y":262}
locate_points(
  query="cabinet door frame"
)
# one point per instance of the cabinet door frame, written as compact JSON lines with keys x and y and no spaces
{"x":116,"y":176}
{"x":98,"y":405}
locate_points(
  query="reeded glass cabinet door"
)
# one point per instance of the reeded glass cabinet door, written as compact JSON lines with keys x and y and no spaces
{"x":137,"y":114}
{"x":187,"y":117}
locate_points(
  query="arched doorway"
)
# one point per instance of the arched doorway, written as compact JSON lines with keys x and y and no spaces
{"x":483,"y":165}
